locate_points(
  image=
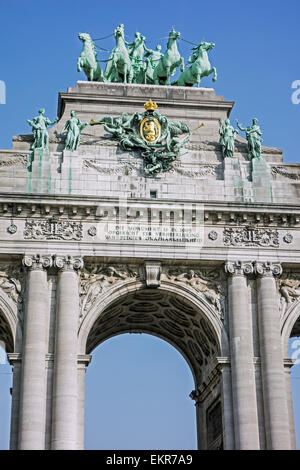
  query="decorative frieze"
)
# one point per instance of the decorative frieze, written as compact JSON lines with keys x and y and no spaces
{"x":52,"y":229}
{"x":250,"y":236}
{"x":18,"y":159}
{"x":282,"y":171}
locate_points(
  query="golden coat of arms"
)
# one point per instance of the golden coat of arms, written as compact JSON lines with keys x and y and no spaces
{"x":150,"y":130}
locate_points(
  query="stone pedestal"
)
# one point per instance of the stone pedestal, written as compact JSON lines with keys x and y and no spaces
{"x":261,"y":180}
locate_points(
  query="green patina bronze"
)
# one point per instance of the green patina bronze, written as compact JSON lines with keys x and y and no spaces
{"x":227,"y":136}
{"x":73,"y":128}
{"x":39,"y":126}
{"x":119,"y":68}
{"x":253,"y":136}
{"x":138,"y":64}
{"x":155,"y":137}
{"x":88,"y":59}
{"x":169,"y":61}
{"x":200,"y":66}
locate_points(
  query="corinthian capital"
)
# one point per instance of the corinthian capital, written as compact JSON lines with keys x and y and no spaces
{"x":68,"y":263}
{"x":37,"y":262}
{"x":267,"y":269}
{"x":238,"y":268}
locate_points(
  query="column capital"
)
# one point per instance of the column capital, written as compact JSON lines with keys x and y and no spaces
{"x":68,"y":263}
{"x":238,"y":268}
{"x":37,"y":262}
{"x":267,"y":269}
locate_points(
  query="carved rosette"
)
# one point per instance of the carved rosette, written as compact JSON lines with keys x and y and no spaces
{"x":68,"y":263}
{"x":37,"y":262}
{"x":267,"y":269}
{"x":153,"y":271}
{"x":239,"y":268}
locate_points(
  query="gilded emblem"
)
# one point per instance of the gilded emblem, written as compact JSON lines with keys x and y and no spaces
{"x":150,"y":130}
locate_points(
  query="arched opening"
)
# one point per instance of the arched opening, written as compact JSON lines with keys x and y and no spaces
{"x":294,"y":353}
{"x":6,"y":346}
{"x":171,"y":317}
{"x":137,"y":396}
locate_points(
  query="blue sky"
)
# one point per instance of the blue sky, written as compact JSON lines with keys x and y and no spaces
{"x":257,"y":58}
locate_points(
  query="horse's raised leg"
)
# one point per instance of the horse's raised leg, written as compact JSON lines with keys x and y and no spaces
{"x":182,"y":64}
{"x":79,"y":64}
{"x":214,"y":70}
{"x":168,"y":75}
{"x":130,"y":74}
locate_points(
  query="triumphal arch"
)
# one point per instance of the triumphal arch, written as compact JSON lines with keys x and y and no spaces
{"x":141,"y":208}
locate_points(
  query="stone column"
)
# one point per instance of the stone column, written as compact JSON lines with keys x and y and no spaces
{"x":273,"y":379}
{"x":83,"y":362}
{"x":242,"y":361}
{"x":64,"y":416}
{"x":33,"y":377}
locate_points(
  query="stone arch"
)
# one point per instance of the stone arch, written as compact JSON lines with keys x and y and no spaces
{"x":290,"y":325}
{"x":172,"y":312}
{"x":8,"y":321}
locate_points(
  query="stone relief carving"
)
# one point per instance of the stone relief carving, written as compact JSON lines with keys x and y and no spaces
{"x":250,"y":236}
{"x":51,"y":229}
{"x":125,"y":168}
{"x":281,"y":170}
{"x":10,"y":281}
{"x":289,"y":291}
{"x":288,"y":238}
{"x":202,"y":171}
{"x":94,"y":280}
{"x":12,"y":228}
{"x":206,"y":282}
{"x":16,"y":160}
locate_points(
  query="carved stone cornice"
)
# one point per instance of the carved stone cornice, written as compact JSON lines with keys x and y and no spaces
{"x":68,"y":263}
{"x":267,"y":269}
{"x":153,"y":272}
{"x":37,"y":262}
{"x":238,"y":268}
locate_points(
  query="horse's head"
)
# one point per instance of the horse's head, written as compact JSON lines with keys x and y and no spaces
{"x":84,"y":37}
{"x":207,"y":45}
{"x":119,"y":31}
{"x":174,"y":34}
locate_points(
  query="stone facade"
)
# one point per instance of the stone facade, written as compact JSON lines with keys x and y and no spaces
{"x":206,"y":256}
